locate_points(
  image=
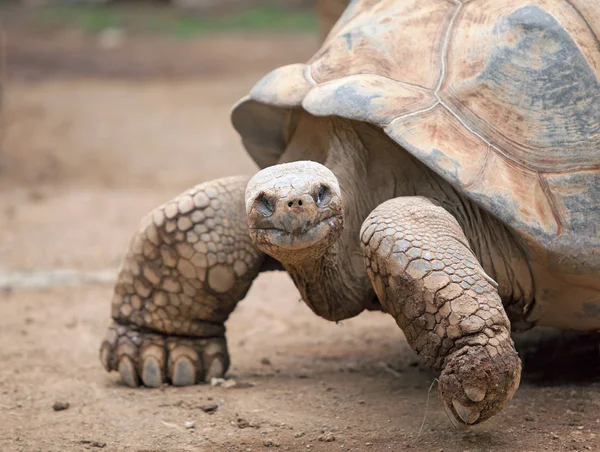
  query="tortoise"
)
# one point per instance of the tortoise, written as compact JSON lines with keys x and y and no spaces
{"x":435,"y":160}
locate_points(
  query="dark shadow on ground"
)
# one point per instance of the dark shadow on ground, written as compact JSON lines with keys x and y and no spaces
{"x":552,"y":357}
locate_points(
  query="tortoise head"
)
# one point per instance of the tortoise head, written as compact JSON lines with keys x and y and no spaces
{"x":294,"y":210}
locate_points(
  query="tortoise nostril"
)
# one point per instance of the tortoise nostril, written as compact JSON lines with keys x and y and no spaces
{"x":295,"y":203}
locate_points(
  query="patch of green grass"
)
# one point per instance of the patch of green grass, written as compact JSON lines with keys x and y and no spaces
{"x":167,"y":20}
{"x":259,"y":18}
{"x":89,"y":18}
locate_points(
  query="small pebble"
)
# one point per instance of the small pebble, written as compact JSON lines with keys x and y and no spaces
{"x":326,"y":438}
{"x":265,"y":361}
{"x":60,"y":406}
{"x":242,"y":423}
{"x":209,"y":407}
{"x":98,"y":444}
{"x":189,"y":424}
{"x":298,"y":434}
{"x":229,"y":383}
{"x":217,"y":381}
{"x":270,"y":443}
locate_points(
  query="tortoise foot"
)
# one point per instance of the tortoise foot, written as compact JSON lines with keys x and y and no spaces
{"x":476,"y":383}
{"x":154,"y":359}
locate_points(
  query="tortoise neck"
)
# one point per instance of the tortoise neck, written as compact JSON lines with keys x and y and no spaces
{"x":335,"y":285}
{"x":325,"y":285}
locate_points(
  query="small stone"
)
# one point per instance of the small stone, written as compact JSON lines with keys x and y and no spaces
{"x":326,"y":437}
{"x":298,"y":434}
{"x":368,"y":444}
{"x":529,"y":418}
{"x":229,"y":383}
{"x":189,"y":424}
{"x":241,"y":385}
{"x":265,"y":362}
{"x":242,"y":423}
{"x":270,"y":443}
{"x":60,"y":406}
{"x":217,"y":381}
{"x":209,"y":407}
{"x":98,"y":444}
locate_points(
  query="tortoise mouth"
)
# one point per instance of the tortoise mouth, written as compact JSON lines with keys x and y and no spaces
{"x":311,"y":234}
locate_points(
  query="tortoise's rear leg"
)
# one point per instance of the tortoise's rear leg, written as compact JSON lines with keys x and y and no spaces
{"x":427,"y":277}
{"x":185,"y":271}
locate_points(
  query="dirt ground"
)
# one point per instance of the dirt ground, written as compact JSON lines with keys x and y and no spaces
{"x":93,"y":139}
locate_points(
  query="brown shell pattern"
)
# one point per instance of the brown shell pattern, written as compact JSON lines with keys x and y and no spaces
{"x":499,"y":97}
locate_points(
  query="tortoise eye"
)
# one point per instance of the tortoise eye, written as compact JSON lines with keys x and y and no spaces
{"x":323,"y":195}
{"x":264,"y":205}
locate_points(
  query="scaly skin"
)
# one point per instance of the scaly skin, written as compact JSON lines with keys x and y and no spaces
{"x":197,"y":256}
{"x":184,"y":273}
{"x":426,"y":276}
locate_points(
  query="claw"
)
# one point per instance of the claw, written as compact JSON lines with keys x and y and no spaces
{"x":216,"y":369}
{"x":105,"y":353}
{"x":184,"y":373}
{"x":128,"y":373}
{"x":474,"y":393}
{"x":153,"y":359}
{"x":457,"y":424}
{"x":152,"y":373}
{"x":468,"y":415}
{"x":184,"y":364}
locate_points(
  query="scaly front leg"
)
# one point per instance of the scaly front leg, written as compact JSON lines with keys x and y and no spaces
{"x":186,"y":269}
{"x":426,"y":276}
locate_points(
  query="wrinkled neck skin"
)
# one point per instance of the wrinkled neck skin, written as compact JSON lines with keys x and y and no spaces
{"x":371,"y":169}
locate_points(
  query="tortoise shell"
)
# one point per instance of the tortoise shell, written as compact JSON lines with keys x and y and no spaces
{"x":501,"y":98}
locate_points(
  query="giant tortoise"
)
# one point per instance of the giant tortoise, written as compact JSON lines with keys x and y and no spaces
{"x":438,"y":160}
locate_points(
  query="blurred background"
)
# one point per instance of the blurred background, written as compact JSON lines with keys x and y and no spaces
{"x":102,"y":99}
{"x":111,"y":88}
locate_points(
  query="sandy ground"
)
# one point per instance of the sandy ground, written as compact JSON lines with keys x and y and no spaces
{"x":92,"y":141}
